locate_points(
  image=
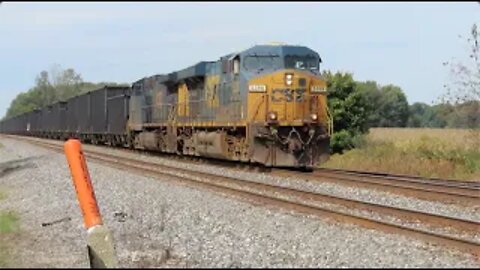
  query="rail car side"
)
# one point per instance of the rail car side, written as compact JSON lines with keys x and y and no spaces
{"x":98,"y":116}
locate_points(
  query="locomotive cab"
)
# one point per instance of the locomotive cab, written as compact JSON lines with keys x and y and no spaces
{"x":290,"y":123}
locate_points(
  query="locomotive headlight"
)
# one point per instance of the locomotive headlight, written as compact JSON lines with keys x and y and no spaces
{"x":257,"y":88}
{"x":318,"y":89}
{"x":272,"y":116}
{"x":314,"y":117}
{"x":288,"y":79}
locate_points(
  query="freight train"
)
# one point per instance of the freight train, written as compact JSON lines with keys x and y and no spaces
{"x":266,"y":104}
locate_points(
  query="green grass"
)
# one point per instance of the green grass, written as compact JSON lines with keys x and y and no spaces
{"x":8,"y":222}
{"x":443,"y":153}
{"x":8,"y":225}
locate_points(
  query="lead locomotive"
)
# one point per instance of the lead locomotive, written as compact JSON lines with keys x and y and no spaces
{"x":265,"y":105}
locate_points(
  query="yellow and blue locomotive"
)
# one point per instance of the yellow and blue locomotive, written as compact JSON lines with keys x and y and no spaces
{"x":266,"y":105}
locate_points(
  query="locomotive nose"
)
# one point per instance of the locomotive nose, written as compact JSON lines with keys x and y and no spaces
{"x":294,"y":96}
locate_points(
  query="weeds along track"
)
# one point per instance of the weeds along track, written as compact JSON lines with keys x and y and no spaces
{"x":438,"y":229}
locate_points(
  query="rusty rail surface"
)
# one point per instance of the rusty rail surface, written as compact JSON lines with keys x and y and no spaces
{"x":405,"y":177}
{"x":303,"y":201}
{"x":451,"y":191}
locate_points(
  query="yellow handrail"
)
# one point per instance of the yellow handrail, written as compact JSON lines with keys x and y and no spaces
{"x":330,"y":121}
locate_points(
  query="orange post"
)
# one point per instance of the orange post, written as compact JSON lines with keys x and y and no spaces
{"x":82,"y":183}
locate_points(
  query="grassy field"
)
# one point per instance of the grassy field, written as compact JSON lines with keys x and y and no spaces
{"x":443,"y":153}
{"x":8,"y":226}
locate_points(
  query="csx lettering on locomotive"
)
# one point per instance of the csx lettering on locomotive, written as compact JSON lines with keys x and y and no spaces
{"x":280,"y":95}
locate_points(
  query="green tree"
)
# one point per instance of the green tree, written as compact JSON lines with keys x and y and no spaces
{"x":45,"y":88}
{"x":465,"y":115}
{"x":392,"y":107}
{"x":387,"y":105}
{"x":371,"y":91}
{"x":347,"y":106}
{"x":417,"y":114}
{"x":439,"y":115}
{"x":67,"y":84}
{"x":52,"y":87}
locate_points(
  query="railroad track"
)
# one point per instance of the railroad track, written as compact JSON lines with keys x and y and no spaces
{"x":410,"y":178}
{"x":465,"y":193}
{"x":446,"y":191}
{"x":449,"y":231}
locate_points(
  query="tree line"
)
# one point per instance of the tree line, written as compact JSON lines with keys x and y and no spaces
{"x":354,"y":103}
{"x":357,"y":106}
{"x":50,"y":87}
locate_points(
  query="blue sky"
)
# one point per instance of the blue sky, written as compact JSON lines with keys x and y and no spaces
{"x":400,"y":43}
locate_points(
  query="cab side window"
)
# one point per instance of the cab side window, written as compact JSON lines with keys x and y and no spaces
{"x":236,"y":65}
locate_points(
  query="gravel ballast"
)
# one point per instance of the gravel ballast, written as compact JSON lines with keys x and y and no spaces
{"x":156,"y":223}
{"x":361,"y":194}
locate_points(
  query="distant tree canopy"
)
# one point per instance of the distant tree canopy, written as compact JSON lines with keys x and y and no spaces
{"x":387,"y":105}
{"x":52,"y":87}
{"x":445,"y":115}
{"x":357,"y":106}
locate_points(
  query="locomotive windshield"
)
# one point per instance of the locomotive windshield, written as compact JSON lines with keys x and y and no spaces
{"x":261,"y":62}
{"x":308,"y":62}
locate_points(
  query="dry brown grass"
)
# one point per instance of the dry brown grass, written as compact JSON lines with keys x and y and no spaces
{"x":456,"y":138}
{"x":443,"y":153}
